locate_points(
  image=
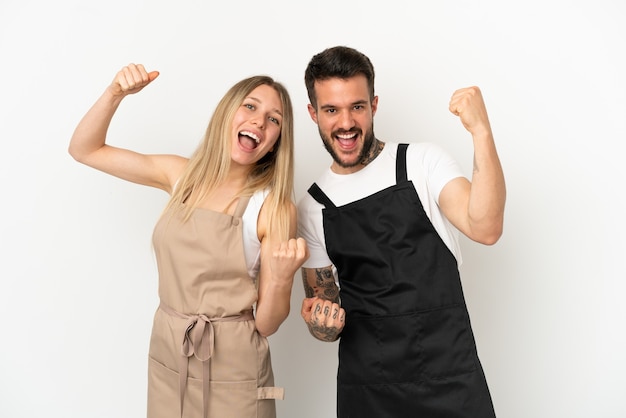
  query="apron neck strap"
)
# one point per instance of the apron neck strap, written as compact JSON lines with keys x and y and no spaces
{"x":241,"y":206}
{"x":320,"y":196}
{"x":401,"y":176}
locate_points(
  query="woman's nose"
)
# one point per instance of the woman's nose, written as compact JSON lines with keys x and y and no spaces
{"x":259,"y":121}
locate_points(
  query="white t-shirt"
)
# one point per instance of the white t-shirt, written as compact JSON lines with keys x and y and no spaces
{"x":428,"y":166}
{"x":251,"y":243}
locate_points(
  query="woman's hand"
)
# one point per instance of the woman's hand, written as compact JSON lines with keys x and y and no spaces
{"x":131,"y":79}
{"x":287,"y":258}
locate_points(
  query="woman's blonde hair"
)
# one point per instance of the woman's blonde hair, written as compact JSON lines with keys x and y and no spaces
{"x":210,"y":163}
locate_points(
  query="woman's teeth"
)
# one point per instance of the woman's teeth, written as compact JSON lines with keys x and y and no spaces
{"x":251,"y":135}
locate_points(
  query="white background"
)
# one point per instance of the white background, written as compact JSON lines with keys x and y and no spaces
{"x":77,"y":274}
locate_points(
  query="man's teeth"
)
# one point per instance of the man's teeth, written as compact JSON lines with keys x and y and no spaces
{"x":346,"y":136}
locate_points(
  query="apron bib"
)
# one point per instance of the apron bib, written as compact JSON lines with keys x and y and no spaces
{"x":407,"y":349}
{"x":206,"y":357}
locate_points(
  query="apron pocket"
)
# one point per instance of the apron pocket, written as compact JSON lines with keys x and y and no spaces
{"x":411,"y":347}
{"x":380,"y":349}
{"x":226,"y":399}
{"x":163,"y":391}
{"x":447,"y":342}
{"x":232,"y":399}
{"x":242,"y":399}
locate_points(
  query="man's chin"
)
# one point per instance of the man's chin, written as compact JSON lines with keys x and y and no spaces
{"x":342,"y":158}
{"x":346,"y":163}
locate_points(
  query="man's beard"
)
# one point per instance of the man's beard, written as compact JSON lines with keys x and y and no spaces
{"x":363,"y":153}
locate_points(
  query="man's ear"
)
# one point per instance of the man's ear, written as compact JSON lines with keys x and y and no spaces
{"x":374,"y":105}
{"x":312,"y":112}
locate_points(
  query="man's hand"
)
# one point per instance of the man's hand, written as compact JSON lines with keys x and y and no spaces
{"x":324,"y":318}
{"x":469,"y":106}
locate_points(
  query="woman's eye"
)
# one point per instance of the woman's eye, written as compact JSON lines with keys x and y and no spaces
{"x":249,"y":106}
{"x":274,"y":120}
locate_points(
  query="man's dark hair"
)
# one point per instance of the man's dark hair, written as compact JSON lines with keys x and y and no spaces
{"x":337,"y":62}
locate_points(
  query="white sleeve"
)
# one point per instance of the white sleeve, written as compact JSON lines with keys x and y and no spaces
{"x":439,"y":166}
{"x":431,"y":168}
{"x":311,"y":228}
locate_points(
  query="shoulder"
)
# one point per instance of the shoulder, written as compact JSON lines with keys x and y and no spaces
{"x":268,"y":213}
{"x":252,"y":214}
{"x":258,"y":197}
{"x":256,"y":204}
{"x":309,"y":213}
{"x":431,"y":158}
{"x":431,"y":167}
{"x":424,"y":150}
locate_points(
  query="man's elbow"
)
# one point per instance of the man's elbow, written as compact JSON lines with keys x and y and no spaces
{"x":489,"y":236}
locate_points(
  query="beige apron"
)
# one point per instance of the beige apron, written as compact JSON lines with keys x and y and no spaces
{"x":206,"y":357}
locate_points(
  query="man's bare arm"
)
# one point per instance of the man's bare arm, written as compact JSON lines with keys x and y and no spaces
{"x":321,"y":310}
{"x":320,"y":282}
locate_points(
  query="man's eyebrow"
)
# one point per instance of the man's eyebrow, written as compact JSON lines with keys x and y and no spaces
{"x":358,"y":102}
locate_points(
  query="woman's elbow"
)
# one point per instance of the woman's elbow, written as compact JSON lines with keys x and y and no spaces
{"x":266,"y":331}
{"x":76,"y":153}
{"x":72,"y":151}
{"x":269,"y":326}
{"x":265,"y":334}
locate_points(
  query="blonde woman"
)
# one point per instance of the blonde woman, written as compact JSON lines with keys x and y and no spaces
{"x":225,"y":246}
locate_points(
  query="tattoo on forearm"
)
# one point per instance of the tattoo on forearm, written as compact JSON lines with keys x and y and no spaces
{"x":324,"y":277}
{"x":308,"y":290}
{"x":325,"y":281}
{"x":320,"y":282}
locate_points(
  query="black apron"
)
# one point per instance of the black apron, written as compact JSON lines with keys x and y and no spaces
{"x":407,"y":349}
